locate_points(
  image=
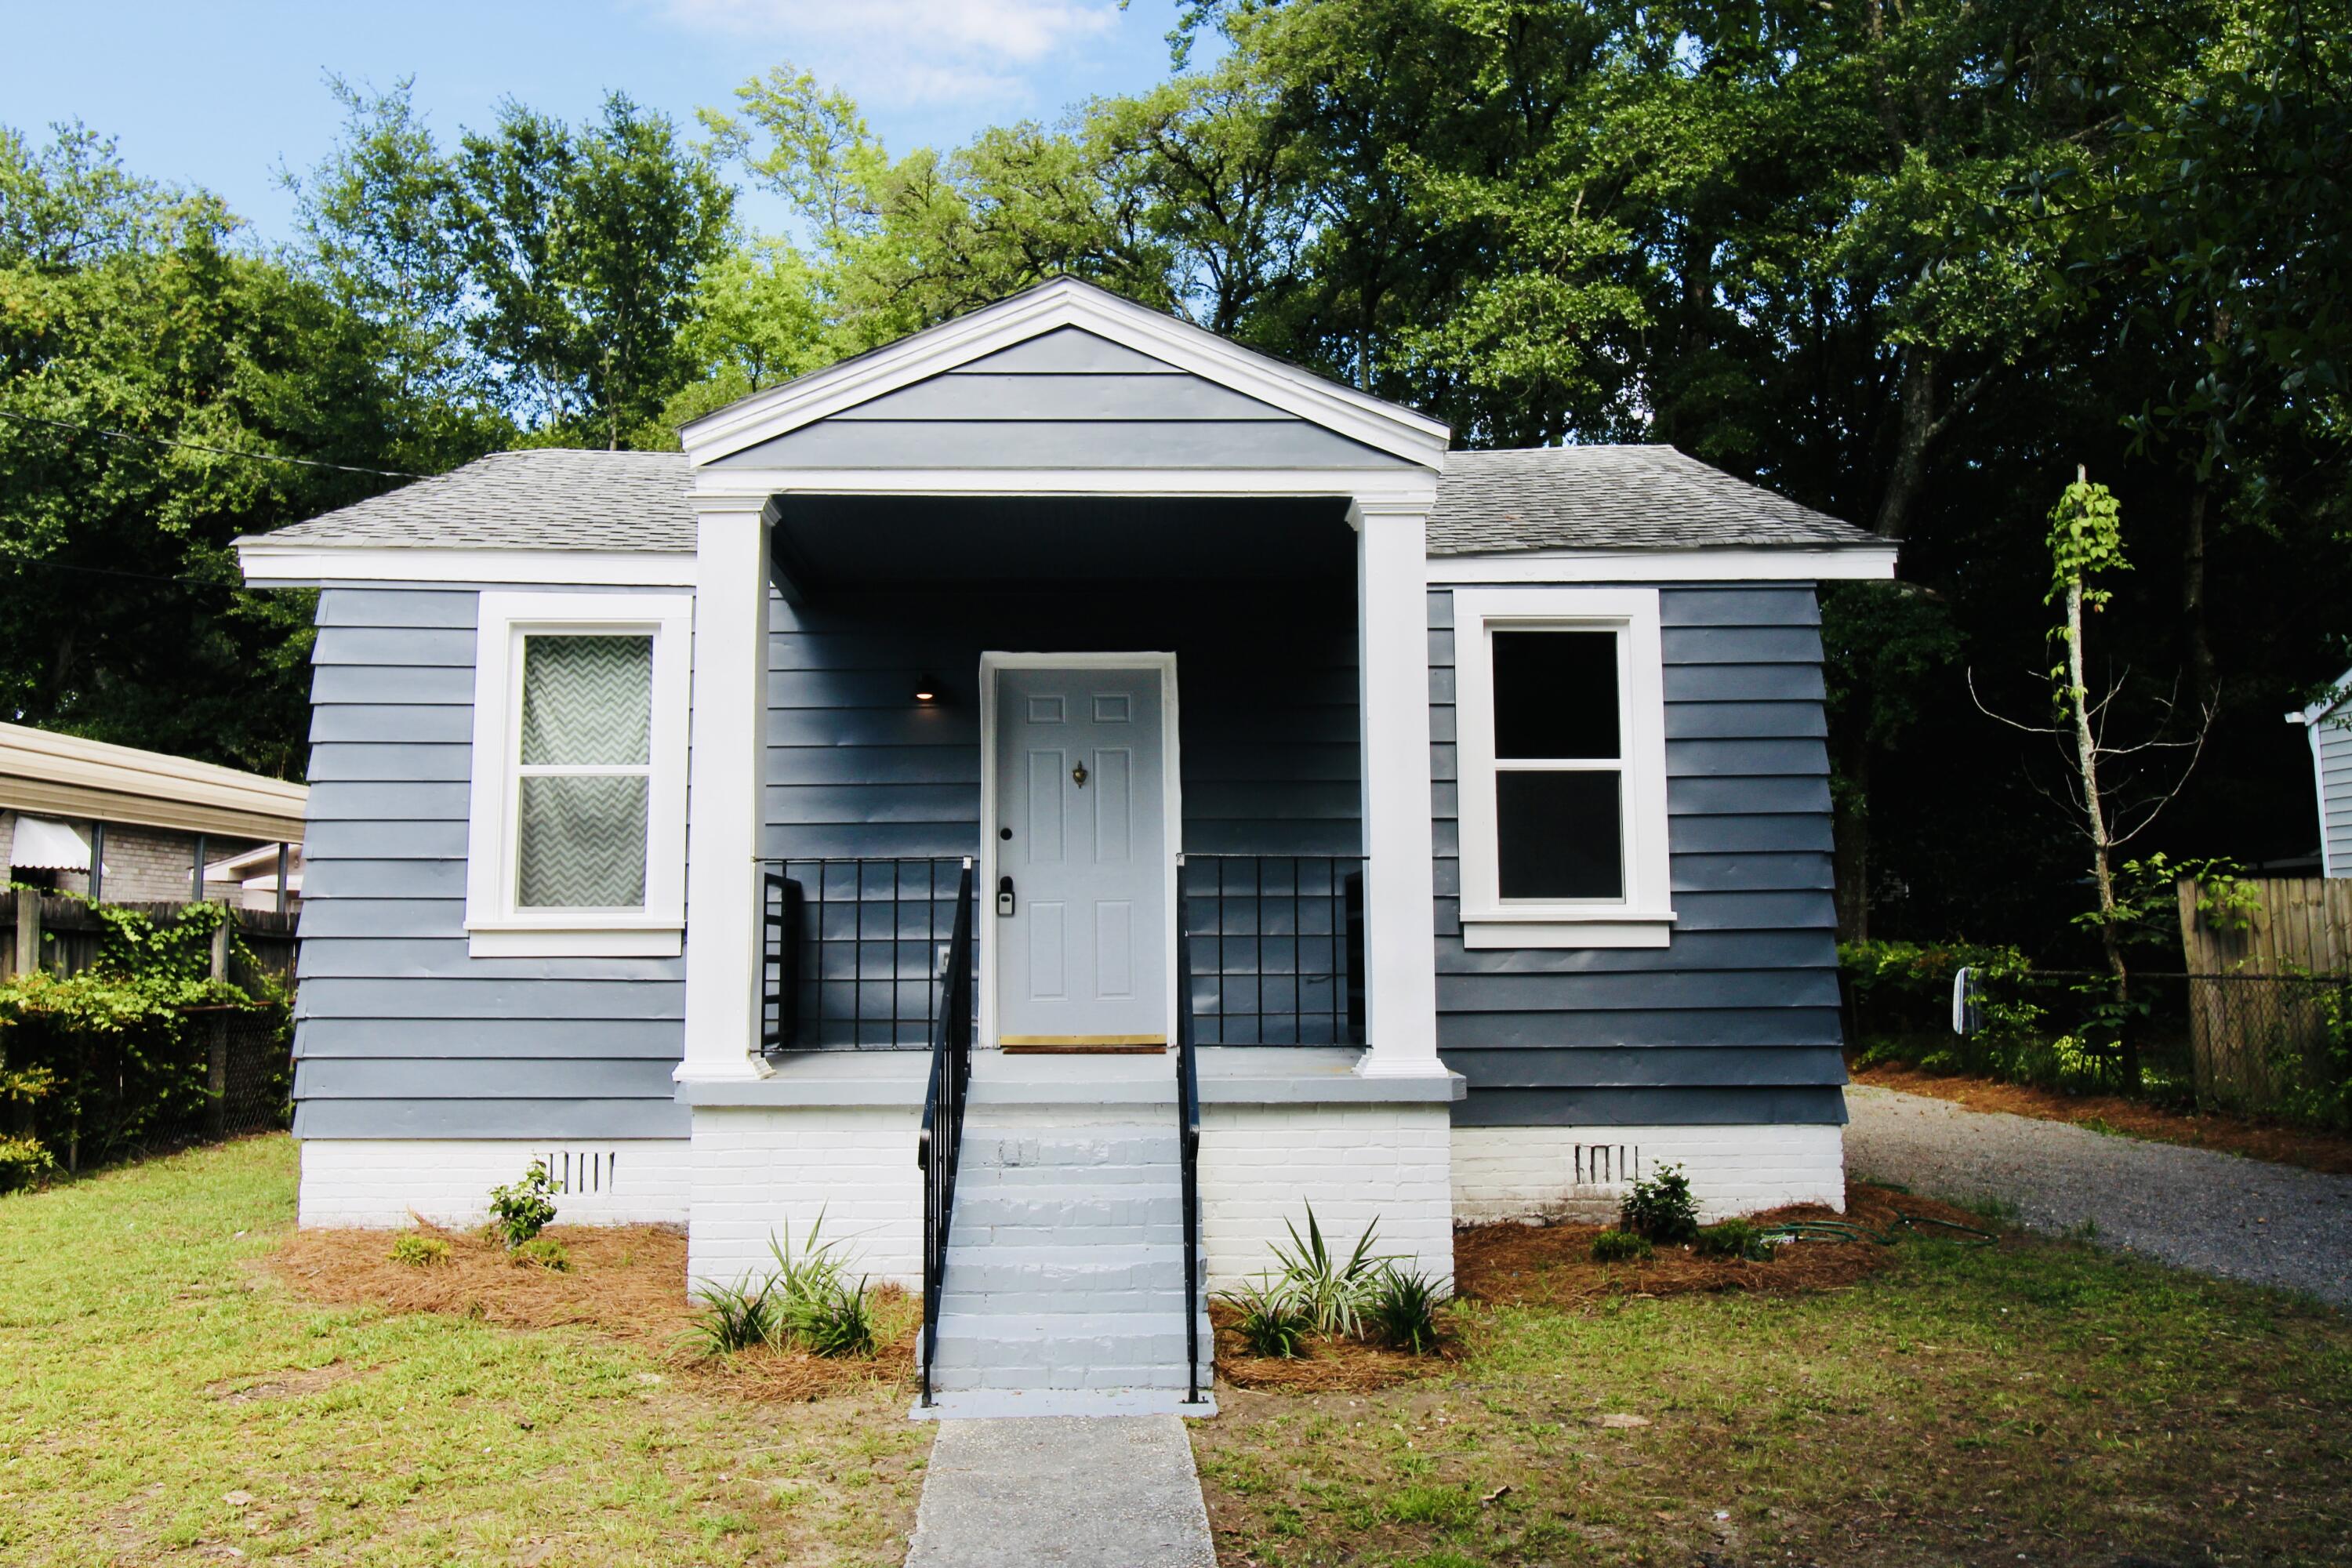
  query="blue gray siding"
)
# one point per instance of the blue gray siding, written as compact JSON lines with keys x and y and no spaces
{"x":1069,"y":399}
{"x":1736,"y":1021}
{"x":1266,"y":714}
{"x":400,"y":1034}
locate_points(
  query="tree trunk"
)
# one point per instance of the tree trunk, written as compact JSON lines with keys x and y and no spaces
{"x":2086,"y":763}
{"x":1915,"y":429}
{"x":1851,"y":839}
{"x":2204,"y":681}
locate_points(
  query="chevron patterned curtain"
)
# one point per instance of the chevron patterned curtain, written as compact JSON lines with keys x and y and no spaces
{"x":587,"y":742}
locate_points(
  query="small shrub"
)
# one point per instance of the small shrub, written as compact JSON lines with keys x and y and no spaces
{"x":23,"y":1162}
{"x":1273,"y":1320}
{"x":1331,"y":1292}
{"x":733,"y":1318}
{"x":835,"y":1319}
{"x":1734,"y":1238}
{"x":1661,"y":1207}
{"x":1400,"y":1310}
{"x":419,"y":1251}
{"x":521,"y":1211}
{"x":543,"y":1252}
{"x":1613,"y":1246}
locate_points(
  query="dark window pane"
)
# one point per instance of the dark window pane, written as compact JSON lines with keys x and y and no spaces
{"x":1558,"y":836}
{"x":1555,"y":694}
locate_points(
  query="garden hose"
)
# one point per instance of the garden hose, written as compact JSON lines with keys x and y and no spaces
{"x":1850,"y":1230}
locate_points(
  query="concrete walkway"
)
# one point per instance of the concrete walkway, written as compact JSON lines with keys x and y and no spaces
{"x":2239,"y":1218}
{"x":1073,"y":1492}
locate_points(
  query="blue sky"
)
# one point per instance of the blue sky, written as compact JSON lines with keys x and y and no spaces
{"x":222,"y":94}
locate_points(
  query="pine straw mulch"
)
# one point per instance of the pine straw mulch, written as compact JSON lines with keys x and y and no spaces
{"x":2258,"y":1138}
{"x":1552,"y":1265}
{"x":626,"y":1283}
{"x":1515,"y":1264}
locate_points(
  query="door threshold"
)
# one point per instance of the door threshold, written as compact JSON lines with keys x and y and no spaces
{"x":1081,"y":1044}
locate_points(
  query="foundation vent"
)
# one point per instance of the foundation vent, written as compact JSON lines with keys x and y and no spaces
{"x":1608,"y":1164}
{"x":583,"y":1171}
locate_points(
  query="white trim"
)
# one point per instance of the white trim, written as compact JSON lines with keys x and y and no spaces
{"x":1394,"y":730}
{"x":1172,"y":795}
{"x":1063,"y":302}
{"x":2311,"y":728}
{"x":267,"y":566}
{"x":495,"y":927}
{"x":726,"y":769}
{"x":1579,"y":932}
{"x":734,"y":489}
{"x":1854,"y":562}
{"x":1633,"y":614}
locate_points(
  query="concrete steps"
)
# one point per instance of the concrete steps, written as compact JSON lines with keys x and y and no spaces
{"x":1064,"y":1270}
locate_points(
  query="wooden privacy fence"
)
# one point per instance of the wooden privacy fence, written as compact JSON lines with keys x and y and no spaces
{"x":2299,"y":939}
{"x":61,"y":935}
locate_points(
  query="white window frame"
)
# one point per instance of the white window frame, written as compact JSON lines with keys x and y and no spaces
{"x":495,"y":926}
{"x":1645,"y":916}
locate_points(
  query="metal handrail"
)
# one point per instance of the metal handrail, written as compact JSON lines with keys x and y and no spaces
{"x":1188,"y":1134}
{"x":940,"y":1140}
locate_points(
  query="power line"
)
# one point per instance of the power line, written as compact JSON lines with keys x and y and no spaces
{"x":111,"y":572}
{"x":215,"y":451}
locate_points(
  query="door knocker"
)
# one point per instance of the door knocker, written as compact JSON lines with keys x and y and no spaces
{"x":1078,"y":775}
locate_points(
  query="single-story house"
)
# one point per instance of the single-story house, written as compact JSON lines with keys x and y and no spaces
{"x":1470,"y":810}
{"x":127,"y":826}
{"x":2327,"y":724}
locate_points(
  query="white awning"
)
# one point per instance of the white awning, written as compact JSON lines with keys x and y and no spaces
{"x":44,"y":845}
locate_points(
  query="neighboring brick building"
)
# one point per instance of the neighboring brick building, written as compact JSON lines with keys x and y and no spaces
{"x":132,"y":826}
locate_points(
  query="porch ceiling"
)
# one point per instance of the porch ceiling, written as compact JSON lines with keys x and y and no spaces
{"x":851,"y":543}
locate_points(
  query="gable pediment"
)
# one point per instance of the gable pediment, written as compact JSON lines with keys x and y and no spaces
{"x":1064,"y":375}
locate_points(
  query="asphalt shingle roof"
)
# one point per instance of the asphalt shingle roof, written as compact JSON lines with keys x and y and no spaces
{"x":1550,"y":497}
{"x":550,"y":498}
{"x":1626,"y":497}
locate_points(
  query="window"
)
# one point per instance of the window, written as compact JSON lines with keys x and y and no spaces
{"x":1561,"y":730}
{"x":578,"y":775}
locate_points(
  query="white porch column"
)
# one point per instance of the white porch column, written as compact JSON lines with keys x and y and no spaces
{"x":1400,"y":877}
{"x":728,"y":733}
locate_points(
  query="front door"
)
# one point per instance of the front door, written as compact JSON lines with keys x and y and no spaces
{"x":1082,"y":849}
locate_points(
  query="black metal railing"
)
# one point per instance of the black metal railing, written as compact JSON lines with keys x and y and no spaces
{"x":1277,"y":954}
{"x":1188,"y":1144}
{"x":852,"y":951}
{"x":939,"y":1142}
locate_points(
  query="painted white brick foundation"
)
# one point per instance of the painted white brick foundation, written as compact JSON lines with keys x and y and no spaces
{"x":1263,"y":1165}
{"x":382,"y":1181}
{"x":758,"y":1171}
{"x":1581,"y":1173}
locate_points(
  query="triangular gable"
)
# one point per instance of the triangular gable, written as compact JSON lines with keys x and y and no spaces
{"x":1069,"y":329}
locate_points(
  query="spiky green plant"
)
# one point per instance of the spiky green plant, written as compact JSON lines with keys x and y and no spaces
{"x":732,"y":1316}
{"x":1271,"y":1319}
{"x":1401,"y":1310}
{"x":1332,"y":1292}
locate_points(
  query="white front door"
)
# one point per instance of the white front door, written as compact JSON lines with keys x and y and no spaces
{"x":1082,"y":850}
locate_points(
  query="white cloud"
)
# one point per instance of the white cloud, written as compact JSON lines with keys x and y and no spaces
{"x":911,"y":50}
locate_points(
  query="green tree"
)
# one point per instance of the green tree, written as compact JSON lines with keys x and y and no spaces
{"x":153,"y":381}
{"x":586,"y":249}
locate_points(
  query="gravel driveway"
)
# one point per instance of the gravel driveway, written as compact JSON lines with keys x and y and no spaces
{"x":2244,"y":1219}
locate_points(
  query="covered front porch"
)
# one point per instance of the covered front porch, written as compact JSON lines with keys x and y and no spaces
{"x":903,"y":638}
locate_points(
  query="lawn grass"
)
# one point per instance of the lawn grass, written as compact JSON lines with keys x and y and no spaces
{"x":161,"y":1399}
{"x":2039,"y":1401}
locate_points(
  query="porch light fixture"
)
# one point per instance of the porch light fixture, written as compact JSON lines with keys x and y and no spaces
{"x":925,"y":689}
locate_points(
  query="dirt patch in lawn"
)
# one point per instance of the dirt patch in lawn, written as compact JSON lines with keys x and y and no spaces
{"x":625,"y":1282}
{"x":1513,"y":1264}
{"x":2311,"y":1148}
